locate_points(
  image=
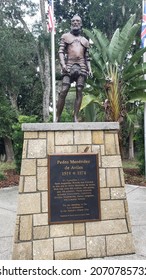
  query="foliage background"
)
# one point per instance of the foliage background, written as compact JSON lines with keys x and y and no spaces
{"x":24,"y":52}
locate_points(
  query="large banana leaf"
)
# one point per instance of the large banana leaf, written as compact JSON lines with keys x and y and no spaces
{"x":87,"y":99}
{"x":91,"y":36}
{"x":137,"y":70}
{"x":126,"y":42}
{"x":103,"y":42}
{"x":135,"y":58}
{"x":98,"y":74}
{"x":98,"y":60}
{"x":109,"y":57}
{"x":90,"y":112}
{"x":100,"y":41}
{"x":137,"y":85}
{"x":113,"y":49}
{"x":95,"y":85}
{"x":137,"y":96}
{"x":127,"y":26}
{"x":121,"y":41}
{"x":124,"y":37}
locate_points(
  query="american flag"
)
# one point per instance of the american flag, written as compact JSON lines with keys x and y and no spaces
{"x":143,"y":28}
{"x":50,"y":16}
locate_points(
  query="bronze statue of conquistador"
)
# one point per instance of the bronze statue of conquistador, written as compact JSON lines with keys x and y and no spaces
{"x":75,"y":64}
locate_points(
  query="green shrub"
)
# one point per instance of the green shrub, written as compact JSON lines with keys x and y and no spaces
{"x":65,"y":116}
{"x":139,"y":137}
{"x":2,"y":176}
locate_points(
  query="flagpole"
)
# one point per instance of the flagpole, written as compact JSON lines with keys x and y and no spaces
{"x":144,"y":60}
{"x":53,"y":65}
{"x":145,"y":135}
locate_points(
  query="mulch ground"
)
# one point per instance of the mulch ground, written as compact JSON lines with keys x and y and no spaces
{"x":132,"y":177}
{"x":11,"y":179}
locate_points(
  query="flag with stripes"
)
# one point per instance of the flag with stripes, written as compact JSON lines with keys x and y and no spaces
{"x":50,"y":16}
{"x":143,"y":28}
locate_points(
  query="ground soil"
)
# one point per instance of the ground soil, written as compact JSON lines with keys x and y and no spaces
{"x":132,"y":177}
{"x":11,"y":179}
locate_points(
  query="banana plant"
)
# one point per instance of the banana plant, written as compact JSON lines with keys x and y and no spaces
{"x":118,"y":76}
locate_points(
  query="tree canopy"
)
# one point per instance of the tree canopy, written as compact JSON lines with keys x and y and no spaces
{"x":25,"y":58}
{"x":106,"y":15}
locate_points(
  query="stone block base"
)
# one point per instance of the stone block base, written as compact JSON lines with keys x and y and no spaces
{"x":34,"y":238}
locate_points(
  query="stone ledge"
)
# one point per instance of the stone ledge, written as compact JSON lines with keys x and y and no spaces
{"x":70,"y":126}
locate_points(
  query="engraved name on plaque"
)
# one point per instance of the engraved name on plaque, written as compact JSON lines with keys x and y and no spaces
{"x":73,"y":188}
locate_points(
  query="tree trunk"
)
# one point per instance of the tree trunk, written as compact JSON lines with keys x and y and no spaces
{"x":41,"y":68}
{"x":46,"y":95}
{"x":13,"y":100}
{"x":9,"y":149}
{"x":120,"y":144}
{"x":47,"y":78}
{"x":131,"y":144}
{"x":44,"y":67}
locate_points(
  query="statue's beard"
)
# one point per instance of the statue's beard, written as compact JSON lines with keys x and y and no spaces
{"x":75,"y":31}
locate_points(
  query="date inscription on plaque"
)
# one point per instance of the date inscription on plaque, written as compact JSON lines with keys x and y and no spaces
{"x":73,"y":188}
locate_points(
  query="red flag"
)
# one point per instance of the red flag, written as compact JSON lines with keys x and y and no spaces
{"x":50,"y":16}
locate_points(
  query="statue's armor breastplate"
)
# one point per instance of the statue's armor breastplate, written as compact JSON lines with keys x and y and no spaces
{"x":69,"y":38}
{"x":75,"y":47}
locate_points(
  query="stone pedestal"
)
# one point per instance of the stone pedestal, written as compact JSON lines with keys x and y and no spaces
{"x":34,"y":237}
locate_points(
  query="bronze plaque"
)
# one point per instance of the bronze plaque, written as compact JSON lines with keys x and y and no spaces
{"x":73,"y":188}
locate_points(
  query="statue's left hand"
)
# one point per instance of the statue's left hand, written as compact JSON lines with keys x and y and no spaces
{"x":90,"y":73}
{"x":64,"y":68}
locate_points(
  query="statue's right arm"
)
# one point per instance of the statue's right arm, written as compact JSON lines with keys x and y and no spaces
{"x":62,"y":54}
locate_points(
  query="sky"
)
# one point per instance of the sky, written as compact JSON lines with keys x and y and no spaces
{"x":31,"y":20}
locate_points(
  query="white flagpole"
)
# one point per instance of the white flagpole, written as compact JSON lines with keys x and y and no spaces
{"x":145,"y":135}
{"x":144,"y":60}
{"x":53,"y":65}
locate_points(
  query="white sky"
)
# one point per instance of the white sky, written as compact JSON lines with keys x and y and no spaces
{"x":31,"y":20}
